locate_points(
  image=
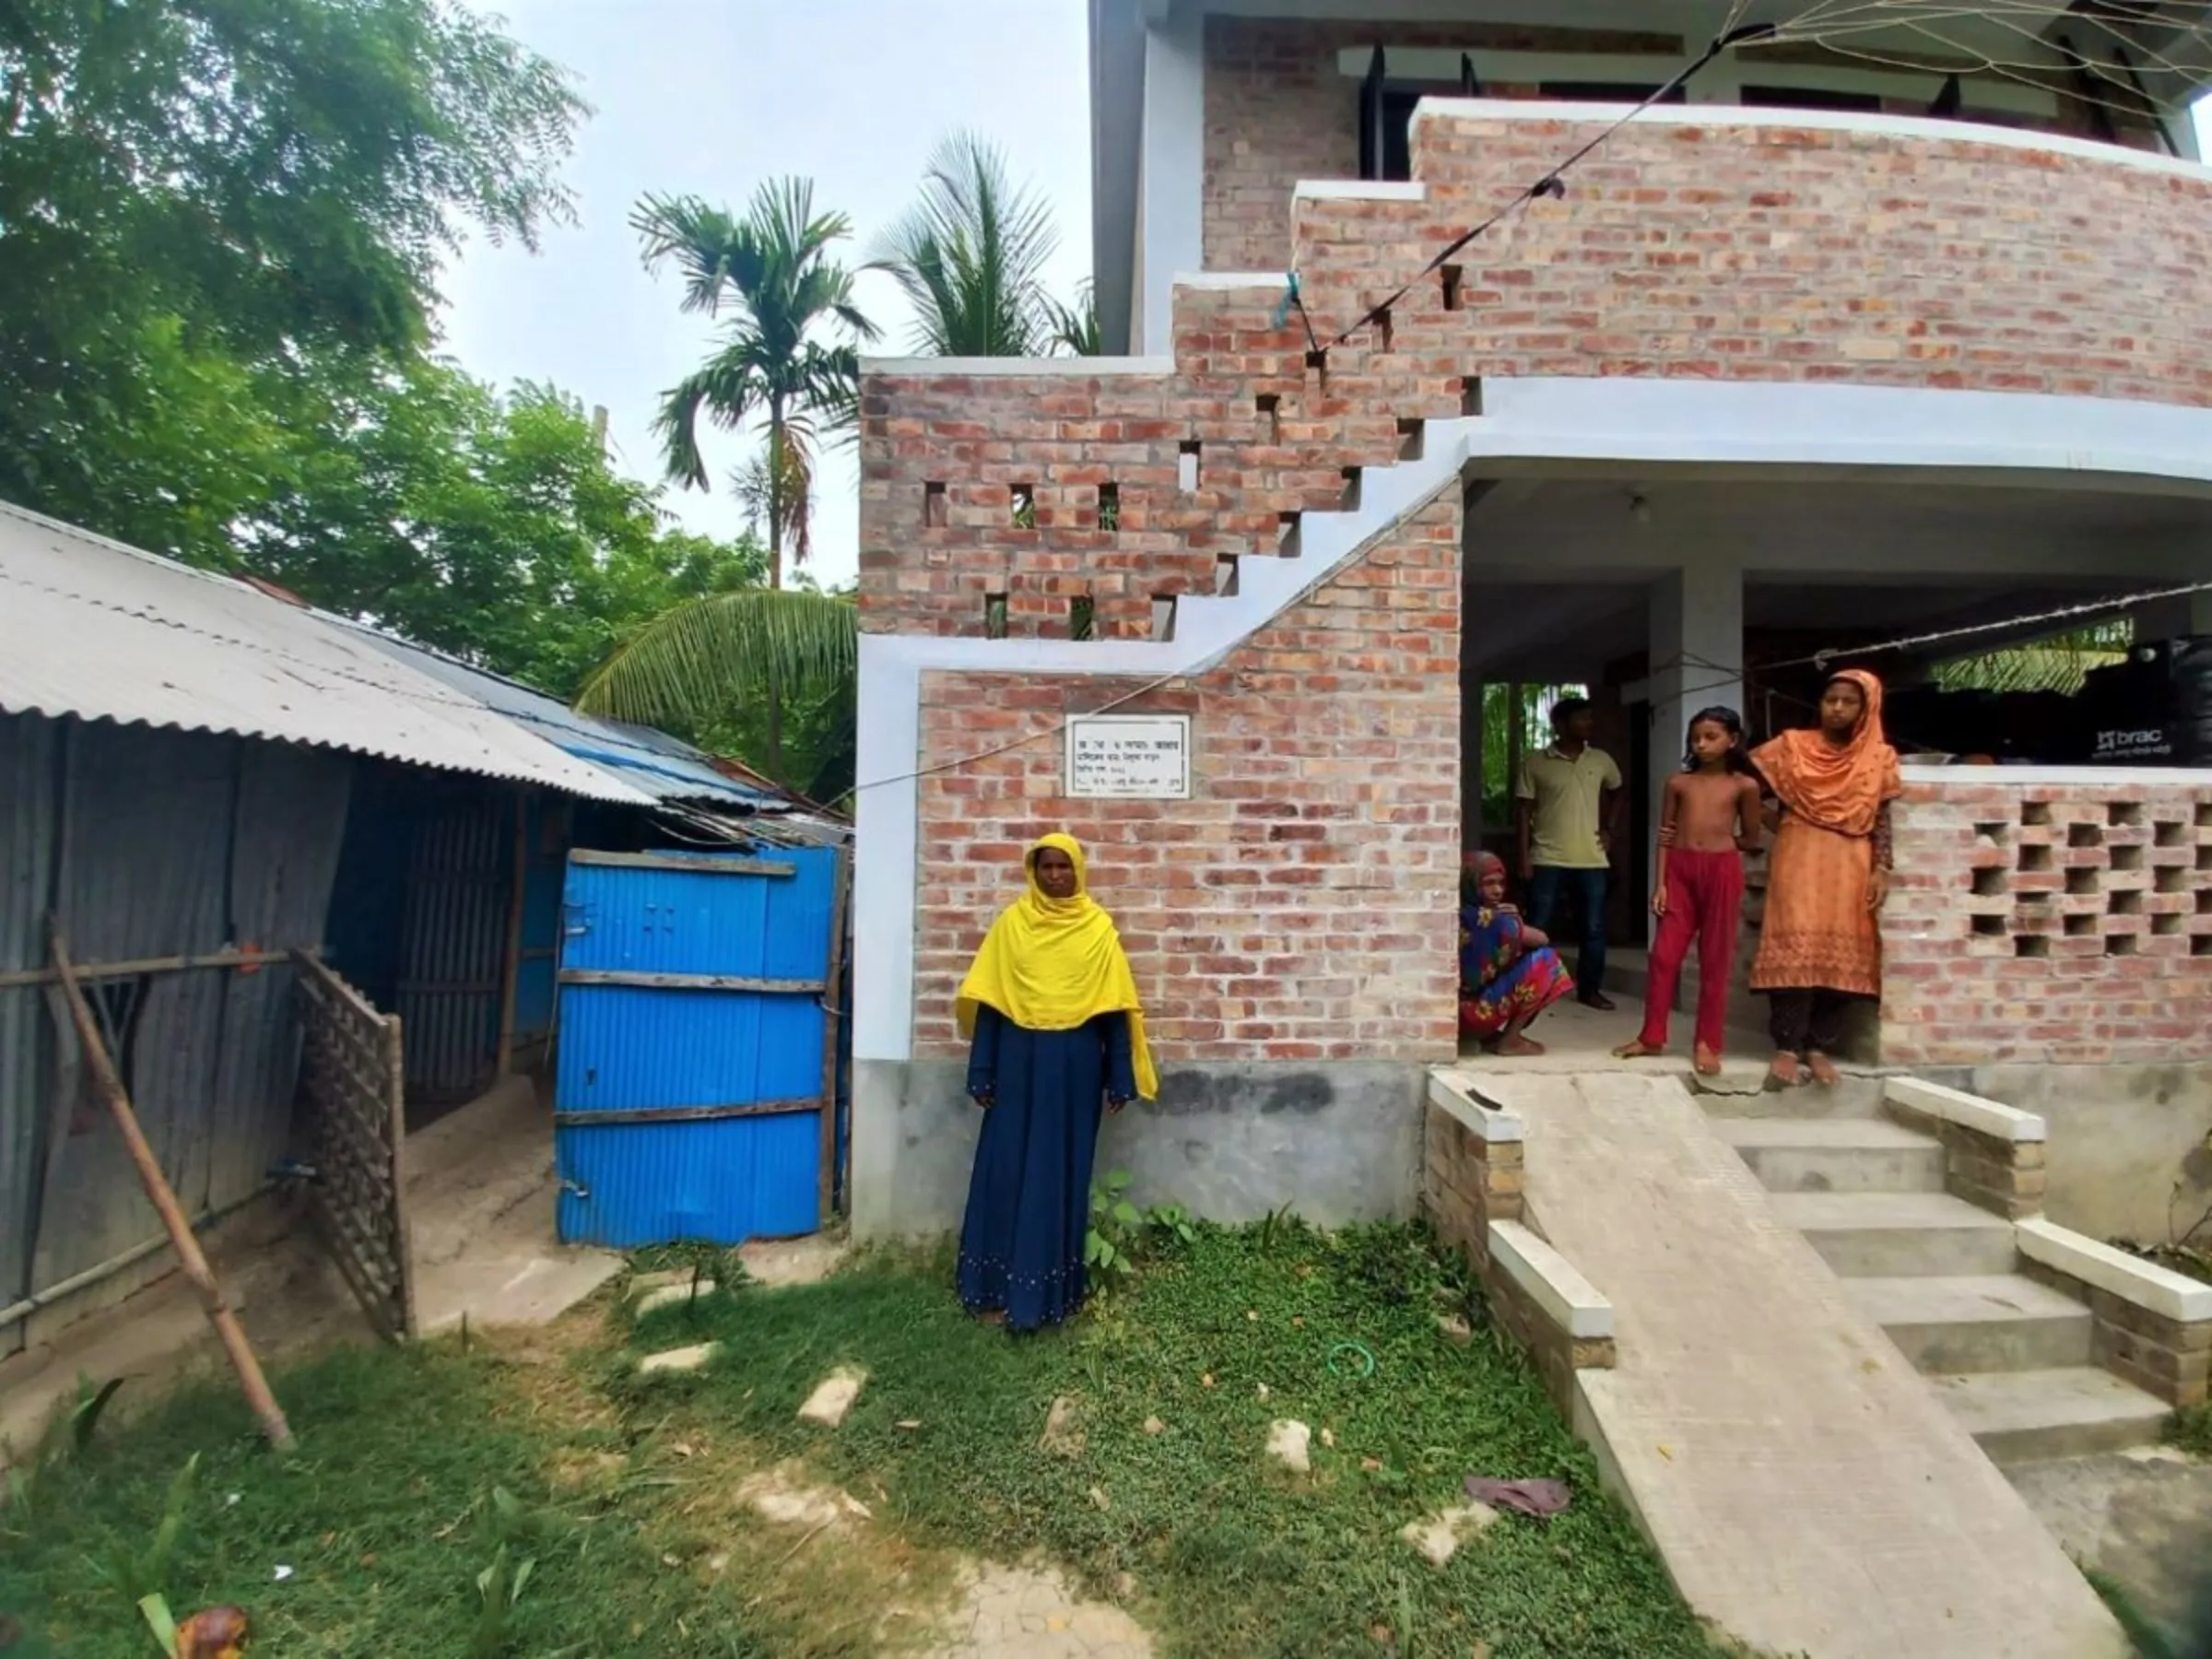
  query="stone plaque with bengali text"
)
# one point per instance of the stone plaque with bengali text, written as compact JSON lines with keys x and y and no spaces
{"x":1129,"y":757}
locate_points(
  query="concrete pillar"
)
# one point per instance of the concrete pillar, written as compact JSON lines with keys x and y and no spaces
{"x":1696,"y":650}
{"x":1171,"y":175}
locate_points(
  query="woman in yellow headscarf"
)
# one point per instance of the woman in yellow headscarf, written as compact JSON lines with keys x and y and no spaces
{"x":1055,"y":1032}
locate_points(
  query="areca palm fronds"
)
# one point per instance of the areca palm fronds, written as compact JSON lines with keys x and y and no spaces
{"x":775,"y":488}
{"x":772,"y":271}
{"x":705,"y":656}
{"x":2060,"y":664}
{"x":970,"y":256}
{"x":1074,"y":328}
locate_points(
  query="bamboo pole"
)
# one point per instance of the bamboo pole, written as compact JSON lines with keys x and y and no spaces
{"x":189,"y":1255}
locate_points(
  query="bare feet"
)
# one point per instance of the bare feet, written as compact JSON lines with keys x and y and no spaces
{"x":1637,"y":1049}
{"x":1600,"y":1001}
{"x":1707,"y":1061}
{"x":1516,"y":1047}
{"x":1784,"y":1073}
{"x":990,"y":1316}
{"x":1824,"y":1069}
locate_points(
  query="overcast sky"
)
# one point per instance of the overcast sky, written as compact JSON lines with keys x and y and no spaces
{"x":709,"y":97}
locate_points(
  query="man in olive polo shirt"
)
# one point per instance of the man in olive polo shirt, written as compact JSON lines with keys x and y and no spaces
{"x":1566,"y":808}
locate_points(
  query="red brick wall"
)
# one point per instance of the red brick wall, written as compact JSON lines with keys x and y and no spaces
{"x":1278,"y":109}
{"x":2049,"y":924}
{"x":1302,"y":904}
{"x":1759,"y":252}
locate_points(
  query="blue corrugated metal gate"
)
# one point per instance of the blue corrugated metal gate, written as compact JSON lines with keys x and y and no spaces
{"x":695,"y":1093}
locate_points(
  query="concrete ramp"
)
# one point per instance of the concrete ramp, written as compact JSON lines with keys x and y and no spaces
{"x":1808,"y":1491}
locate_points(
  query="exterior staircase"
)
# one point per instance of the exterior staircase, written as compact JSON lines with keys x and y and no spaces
{"x":1942,"y":1278}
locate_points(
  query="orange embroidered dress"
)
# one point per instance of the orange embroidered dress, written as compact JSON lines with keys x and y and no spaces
{"x":1817,"y":933}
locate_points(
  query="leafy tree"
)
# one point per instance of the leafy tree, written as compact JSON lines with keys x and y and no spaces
{"x":492,"y":528}
{"x":211,"y":210}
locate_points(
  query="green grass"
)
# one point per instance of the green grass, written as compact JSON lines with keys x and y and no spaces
{"x":622,"y":1491}
{"x":386,"y":1517}
{"x":2192,"y":1430}
{"x":1229,"y":1558}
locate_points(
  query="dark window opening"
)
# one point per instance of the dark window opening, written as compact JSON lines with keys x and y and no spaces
{"x":1386,"y":115}
{"x":1808,"y":98}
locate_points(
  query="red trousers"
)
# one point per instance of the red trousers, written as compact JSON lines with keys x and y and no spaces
{"x":1704,"y":898}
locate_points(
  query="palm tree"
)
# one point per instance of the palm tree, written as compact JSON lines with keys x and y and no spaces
{"x":772,"y":269}
{"x":1074,"y":328}
{"x":970,"y":256}
{"x":697,"y":661}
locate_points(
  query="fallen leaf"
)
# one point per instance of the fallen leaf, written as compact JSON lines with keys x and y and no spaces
{"x":1371,"y":1463}
{"x":1667,"y":1453}
{"x":908,"y":1423}
{"x":1329,"y":1437}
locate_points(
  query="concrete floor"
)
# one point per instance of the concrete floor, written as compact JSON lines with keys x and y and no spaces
{"x":479,"y":1201}
{"x":2146,"y":1519}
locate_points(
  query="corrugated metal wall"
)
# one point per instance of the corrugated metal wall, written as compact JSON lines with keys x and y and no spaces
{"x":744,"y":1066}
{"x":150,"y":843}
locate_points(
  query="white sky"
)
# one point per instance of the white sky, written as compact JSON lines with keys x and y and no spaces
{"x":708,"y":97}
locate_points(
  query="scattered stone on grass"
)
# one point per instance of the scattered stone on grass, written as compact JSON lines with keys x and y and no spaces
{"x":782,"y":1495}
{"x":1454,"y":1328}
{"x":1438,"y":1537}
{"x":777,"y":1262}
{"x":833,"y":1396}
{"x":1154,"y":1426}
{"x":671,"y":1296}
{"x":1063,"y":1436}
{"x":1033,"y":1613}
{"x":679,"y":1360}
{"x":1289,"y":1442}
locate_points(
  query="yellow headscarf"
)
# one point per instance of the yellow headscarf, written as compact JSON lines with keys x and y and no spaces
{"x":1056,"y":964}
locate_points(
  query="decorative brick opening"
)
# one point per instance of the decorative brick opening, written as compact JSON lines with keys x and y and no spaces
{"x":1186,"y":465}
{"x":1412,"y":435}
{"x":1285,"y":545}
{"x":2083,"y":879}
{"x":995,"y":615}
{"x":936,"y":511}
{"x":2036,"y":857}
{"x":1270,"y":408}
{"x":1470,"y":397}
{"x":1021,"y":503}
{"x":2128,"y":857}
{"x":1082,"y":617}
{"x":2084,"y":835}
{"x":1110,"y":506}
{"x":2123,"y":813}
{"x":1992,"y":883}
{"x":2170,"y":832}
{"x":1453,"y":278}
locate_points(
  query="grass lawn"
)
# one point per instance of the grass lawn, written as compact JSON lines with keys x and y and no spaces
{"x":622,"y":1490}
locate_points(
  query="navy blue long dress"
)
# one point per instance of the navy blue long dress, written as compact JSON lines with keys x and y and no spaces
{"x":1029,"y":1200}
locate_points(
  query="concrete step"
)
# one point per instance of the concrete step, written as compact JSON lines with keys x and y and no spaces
{"x":1898,"y":1235}
{"x":2071,"y":1411}
{"x":1740,"y":1091}
{"x":1835,"y":1154}
{"x":1999,"y":1323}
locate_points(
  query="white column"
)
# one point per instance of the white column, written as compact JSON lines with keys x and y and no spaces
{"x":1170,"y":175}
{"x":1697,"y":649}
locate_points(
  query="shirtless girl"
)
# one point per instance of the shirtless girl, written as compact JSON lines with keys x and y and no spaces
{"x":1708,"y":819}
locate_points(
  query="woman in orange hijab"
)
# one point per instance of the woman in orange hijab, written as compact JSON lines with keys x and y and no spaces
{"x":1819,"y":944}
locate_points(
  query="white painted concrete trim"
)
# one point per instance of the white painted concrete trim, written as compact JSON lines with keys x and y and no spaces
{"x":1568,"y":1300}
{"x":1208,"y":281}
{"x":1073,"y":367}
{"x":1924,"y":128}
{"x":1968,"y":1111}
{"x":1574,"y":419}
{"x":1453,"y":1093}
{"x":2139,"y":1283}
{"x":1359,"y":190}
{"x":2064,"y":777}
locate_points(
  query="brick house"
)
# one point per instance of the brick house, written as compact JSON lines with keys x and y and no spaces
{"x":1793,"y":364}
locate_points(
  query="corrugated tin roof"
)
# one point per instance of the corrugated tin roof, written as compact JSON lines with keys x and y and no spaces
{"x":102,"y":631}
{"x":666,"y":768}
